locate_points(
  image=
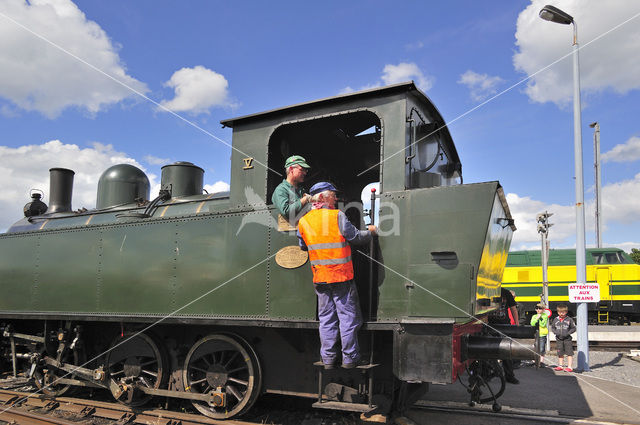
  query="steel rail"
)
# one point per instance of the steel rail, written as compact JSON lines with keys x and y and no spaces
{"x":114,"y":411}
{"x":18,"y":416}
{"x":524,"y":414}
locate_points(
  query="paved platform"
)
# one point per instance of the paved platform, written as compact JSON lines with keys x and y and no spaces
{"x":546,"y":392}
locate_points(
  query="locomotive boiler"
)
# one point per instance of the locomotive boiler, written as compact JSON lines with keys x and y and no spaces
{"x":206,"y":299}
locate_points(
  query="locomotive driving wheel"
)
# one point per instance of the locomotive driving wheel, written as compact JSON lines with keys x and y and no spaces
{"x":136,"y":359}
{"x":226,"y":368}
{"x":45,"y":377}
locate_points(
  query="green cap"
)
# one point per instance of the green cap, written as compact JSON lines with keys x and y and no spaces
{"x":296,"y":160}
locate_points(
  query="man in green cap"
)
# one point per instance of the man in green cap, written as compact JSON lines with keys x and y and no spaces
{"x":289,"y":197}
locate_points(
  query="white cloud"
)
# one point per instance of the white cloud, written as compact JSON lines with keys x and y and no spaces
{"x":196,"y":90}
{"x":27,"y":167}
{"x":217,"y":187}
{"x":626,"y":246}
{"x":346,"y":90}
{"x":481,"y":86}
{"x":154,"y":160}
{"x":349,"y":89}
{"x":620,"y":201}
{"x":37,"y":76}
{"x":619,"y":205}
{"x":524,"y":211}
{"x":610,"y":63}
{"x":624,"y":152}
{"x":392,"y":74}
{"x":414,"y":46}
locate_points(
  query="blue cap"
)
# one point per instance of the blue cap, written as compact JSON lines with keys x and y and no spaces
{"x":321,"y":187}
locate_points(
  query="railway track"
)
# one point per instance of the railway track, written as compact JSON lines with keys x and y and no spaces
{"x":614,"y":346}
{"x":21,"y":408}
{"x":38,"y":410}
{"x":19,"y":416}
{"x":451,"y":412}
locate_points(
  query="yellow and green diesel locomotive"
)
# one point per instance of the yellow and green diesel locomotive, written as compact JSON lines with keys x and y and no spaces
{"x":617,"y":275}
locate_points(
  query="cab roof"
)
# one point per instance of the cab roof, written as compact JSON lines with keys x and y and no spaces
{"x":409,"y":88}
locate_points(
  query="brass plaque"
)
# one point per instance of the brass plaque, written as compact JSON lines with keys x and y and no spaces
{"x":291,"y":257}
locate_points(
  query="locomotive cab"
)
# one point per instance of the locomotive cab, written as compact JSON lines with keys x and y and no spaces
{"x":443,"y":244}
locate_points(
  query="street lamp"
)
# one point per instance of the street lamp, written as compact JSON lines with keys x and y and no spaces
{"x":553,"y":14}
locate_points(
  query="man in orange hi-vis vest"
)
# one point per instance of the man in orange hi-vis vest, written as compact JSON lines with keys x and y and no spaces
{"x":326,"y":233}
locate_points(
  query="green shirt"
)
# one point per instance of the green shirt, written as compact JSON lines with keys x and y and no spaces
{"x":542,"y":319}
{"x":286,"y":198}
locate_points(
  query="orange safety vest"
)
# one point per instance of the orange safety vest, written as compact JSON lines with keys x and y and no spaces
{"x":329,"y":252}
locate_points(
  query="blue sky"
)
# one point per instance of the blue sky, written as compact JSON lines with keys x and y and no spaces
{"x":208,"y":61}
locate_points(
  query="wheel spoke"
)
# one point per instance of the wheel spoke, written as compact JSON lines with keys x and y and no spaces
{"x":234,"y":392}
{"x":238,"y":381}
{"x":154,"y":361}
{"x":148,"y":372}
{"x":204,"y":359}
{"x":120,"y":372}
{"x":243,"y":367}
{"x":198,"y":369}
{"x":235,"y":354}
{"x":199,"y":381}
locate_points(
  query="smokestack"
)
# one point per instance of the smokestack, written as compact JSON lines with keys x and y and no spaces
{"x":60,"y":190}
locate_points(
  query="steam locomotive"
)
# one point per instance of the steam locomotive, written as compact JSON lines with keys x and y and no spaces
{"x":206,"y":298}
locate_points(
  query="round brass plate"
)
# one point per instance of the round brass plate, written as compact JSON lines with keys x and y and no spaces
{"x":291,"y":257}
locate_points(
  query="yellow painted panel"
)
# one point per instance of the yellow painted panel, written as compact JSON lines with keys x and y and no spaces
{"x":603,"y":277}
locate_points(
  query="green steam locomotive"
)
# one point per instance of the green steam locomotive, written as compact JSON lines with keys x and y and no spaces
{"x":206,"y":299}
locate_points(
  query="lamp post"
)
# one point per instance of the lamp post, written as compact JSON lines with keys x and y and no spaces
{"x":553,"y":14}
{"x":598,"y":172}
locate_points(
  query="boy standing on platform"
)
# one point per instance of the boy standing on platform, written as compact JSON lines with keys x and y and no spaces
{"x":563,"y":326}
{"x":541,"y":318}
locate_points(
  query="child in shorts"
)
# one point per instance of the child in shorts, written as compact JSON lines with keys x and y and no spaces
{"x":563,"y":326}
